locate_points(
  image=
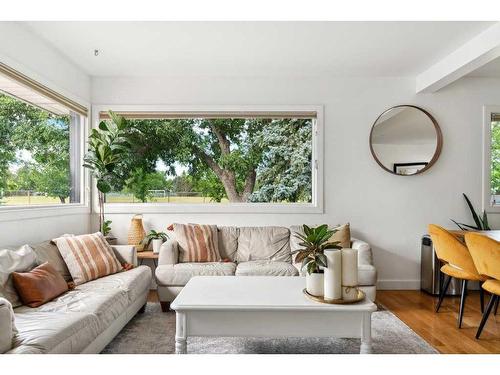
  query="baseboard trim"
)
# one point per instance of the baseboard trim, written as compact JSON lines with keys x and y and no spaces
{"x":398,"y":285}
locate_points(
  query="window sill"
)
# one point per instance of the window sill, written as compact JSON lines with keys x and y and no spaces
{"x":15,"y":213}
{"x":264,"y":208}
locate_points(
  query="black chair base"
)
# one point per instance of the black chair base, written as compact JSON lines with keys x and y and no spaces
{"x":493,"y":301}
{"x":444,"y":288}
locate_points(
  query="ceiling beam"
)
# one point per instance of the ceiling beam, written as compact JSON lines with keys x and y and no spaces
{"x":477,"y":52}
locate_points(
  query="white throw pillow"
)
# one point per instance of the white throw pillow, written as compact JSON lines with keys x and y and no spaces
{"x":7,"y":325}
{"x":20,"y":260}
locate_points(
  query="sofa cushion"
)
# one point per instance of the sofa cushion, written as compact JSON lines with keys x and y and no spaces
{"x":133,"y":282}
{"x":54,"y":332}
{"x":106,"y":305}
{"x":180,"y":273}
{"x":343,"y":235}
{"x":20,"y":260}
{"x":48,"y":252}
{"x":264,"y":243}
{"x":88,"y":256}
{"x":265,"y":268}
{"x":367,"y":275}
{"x":40,"y":285}
{"x":197,"y":242}
{"x":228,"y":242}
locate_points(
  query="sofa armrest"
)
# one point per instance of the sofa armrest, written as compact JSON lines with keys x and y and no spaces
{"x":7,"y":326}
{"x":364,"y":251}
{"x":126,"y":254}
{"x":169,"y":253}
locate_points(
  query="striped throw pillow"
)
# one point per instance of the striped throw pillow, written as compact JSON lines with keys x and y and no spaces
{"x":197,"y":243}
{"x":88,"y":256}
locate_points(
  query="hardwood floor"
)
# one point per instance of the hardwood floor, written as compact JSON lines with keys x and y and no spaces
{"x":416,"y":309}
{"x":153,"y":296}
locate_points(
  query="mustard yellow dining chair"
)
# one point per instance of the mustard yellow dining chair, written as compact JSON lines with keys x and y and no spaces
{"x":486,"y":255}
{"x":458,"y":263}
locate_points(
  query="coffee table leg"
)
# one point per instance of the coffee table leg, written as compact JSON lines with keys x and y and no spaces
{"x":180,"y":333}
{"x":366,"y":334}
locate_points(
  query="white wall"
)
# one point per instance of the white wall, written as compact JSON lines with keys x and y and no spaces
{"x":24,"y":51}
{"x":391,"y":212}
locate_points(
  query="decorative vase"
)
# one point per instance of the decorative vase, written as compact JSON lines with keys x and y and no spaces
{"x":314,"y":283}
{"x":333,"y":275}
{"x":136,"y":233}
{"x":156,"y":245}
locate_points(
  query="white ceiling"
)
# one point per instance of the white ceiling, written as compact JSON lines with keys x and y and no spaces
{"x":256,"y":48}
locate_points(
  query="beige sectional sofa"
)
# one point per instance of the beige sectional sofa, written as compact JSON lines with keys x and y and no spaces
{"x":249,"y":251}
{"x":87,"y":318}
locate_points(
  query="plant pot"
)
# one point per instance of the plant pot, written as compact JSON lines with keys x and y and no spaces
{"x":156,"y":245}
{"x":315,"y":284}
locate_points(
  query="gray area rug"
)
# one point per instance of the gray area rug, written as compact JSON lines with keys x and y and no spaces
{"x":153,"y":333}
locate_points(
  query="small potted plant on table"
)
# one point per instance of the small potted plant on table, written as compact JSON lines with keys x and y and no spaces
{"x":157,"y":238}
{"x":314,"y":242}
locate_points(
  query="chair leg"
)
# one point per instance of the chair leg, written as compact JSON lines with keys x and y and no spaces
{"x":444,"y":288}
{"x":496,"y":305}
{"x":481,"y":297}
{"x":494,"y":298}
{"x":462,"y":303}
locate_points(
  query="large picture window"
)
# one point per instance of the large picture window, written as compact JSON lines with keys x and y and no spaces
{"x":40,"y":152}
{"x":220,"y":157}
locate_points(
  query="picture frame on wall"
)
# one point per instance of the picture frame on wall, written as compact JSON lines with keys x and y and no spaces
{"x":408,"y":168}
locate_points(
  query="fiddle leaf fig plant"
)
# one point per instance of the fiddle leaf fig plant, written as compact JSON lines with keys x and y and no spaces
{"x":314,"y":242}
{"x":106,"y":227}
{"x":108,"y":146}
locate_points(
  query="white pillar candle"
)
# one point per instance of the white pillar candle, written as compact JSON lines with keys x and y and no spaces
{"x":349,"y":267}
{"x":333,"y":275}
{"x":349,"y":293}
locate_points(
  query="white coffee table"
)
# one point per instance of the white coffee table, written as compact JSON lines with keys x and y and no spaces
{"x":264,"y":306}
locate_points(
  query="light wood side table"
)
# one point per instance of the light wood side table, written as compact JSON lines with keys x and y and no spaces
{"x":144,"y":255}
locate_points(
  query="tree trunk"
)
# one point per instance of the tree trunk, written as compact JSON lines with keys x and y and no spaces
{"x":62,"y":199}
{"x":228,"y":177}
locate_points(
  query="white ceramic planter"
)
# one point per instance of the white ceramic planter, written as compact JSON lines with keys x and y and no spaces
{"x":156,"y":245}
{"x":315,"y":284}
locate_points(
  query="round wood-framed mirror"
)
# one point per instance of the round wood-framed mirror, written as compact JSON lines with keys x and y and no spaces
{"x":405,"y":140}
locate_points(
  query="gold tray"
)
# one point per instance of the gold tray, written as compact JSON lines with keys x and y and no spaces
{"x":340,"y":301}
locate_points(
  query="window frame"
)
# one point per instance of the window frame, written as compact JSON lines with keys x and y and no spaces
{"x":317,"y":205}
{"x":488,"y":110}
{"x":21,"y":212}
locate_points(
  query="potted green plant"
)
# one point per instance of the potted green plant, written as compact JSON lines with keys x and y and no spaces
{"x":106,"y":231}
{"x":481,"y":223}
{"x":107,"y":147}
{"x":157,"y":238}
{"x":314,"y":242}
